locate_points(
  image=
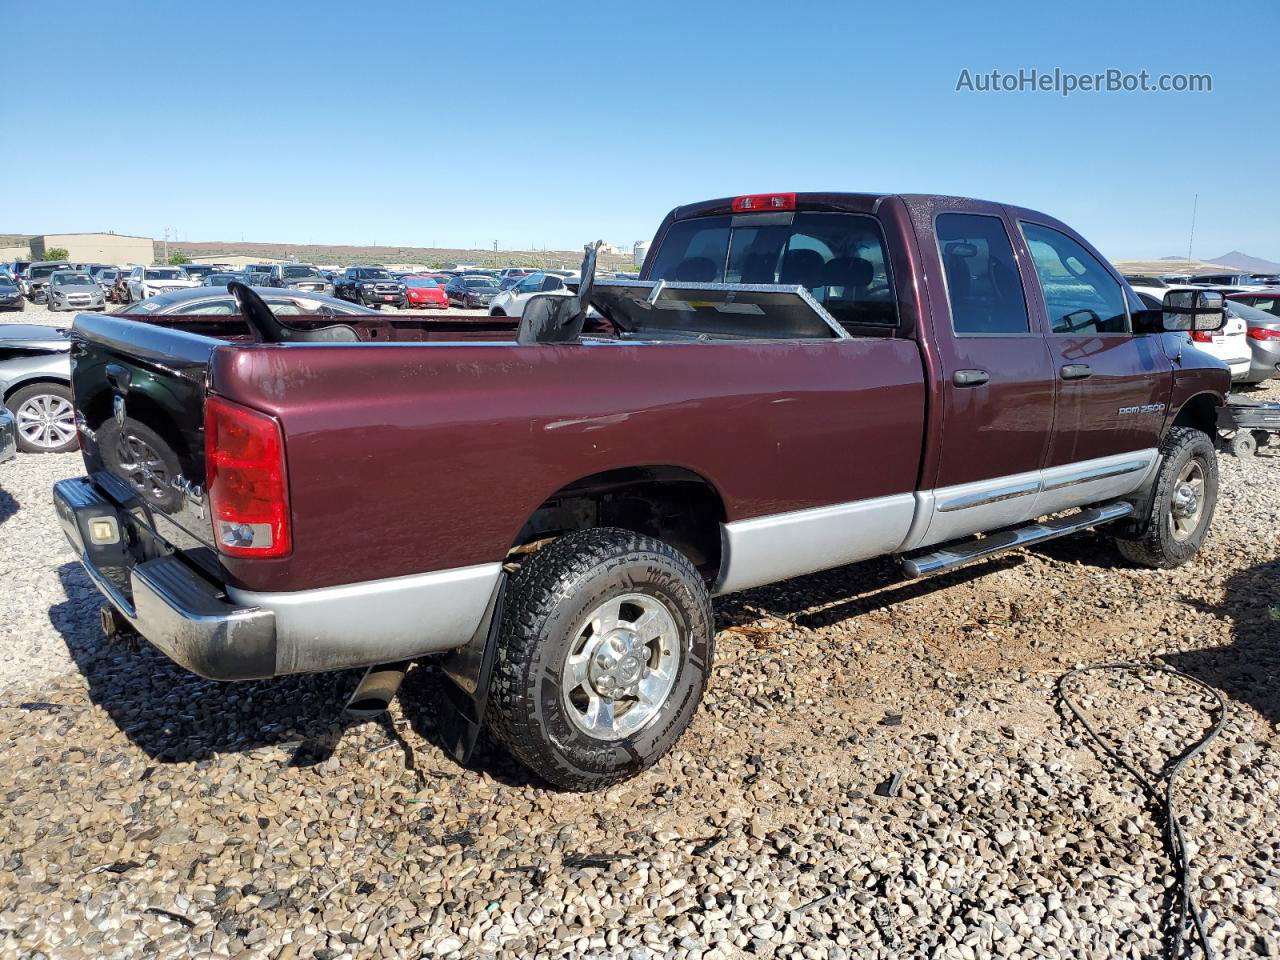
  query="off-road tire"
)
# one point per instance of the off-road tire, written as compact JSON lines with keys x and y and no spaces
{"x":1243,"y":445}
{"x":1153,"y":544}
{"x":546,"y":601}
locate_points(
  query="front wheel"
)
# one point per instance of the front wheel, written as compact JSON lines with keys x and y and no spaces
{"x":605,"y":649}
{"x":1182,"y":503}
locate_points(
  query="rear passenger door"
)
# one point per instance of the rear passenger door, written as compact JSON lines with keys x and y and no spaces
{"x":1112,"y":386}
{"x":997,"y":394}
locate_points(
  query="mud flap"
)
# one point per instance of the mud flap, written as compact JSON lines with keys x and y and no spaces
{"x":466,"y":681}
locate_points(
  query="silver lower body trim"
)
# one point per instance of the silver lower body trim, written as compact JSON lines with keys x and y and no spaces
{"x":379,"y":621}
{"x":768,"y":549}
{"x":970,"y":508}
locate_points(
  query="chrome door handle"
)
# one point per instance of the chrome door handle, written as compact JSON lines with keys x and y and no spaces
{"x":970,"y":378}
{"x":1076,"y":371}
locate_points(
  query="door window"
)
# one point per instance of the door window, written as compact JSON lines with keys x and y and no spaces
{"x":1080,"y":294}
{"x":983,"y":285}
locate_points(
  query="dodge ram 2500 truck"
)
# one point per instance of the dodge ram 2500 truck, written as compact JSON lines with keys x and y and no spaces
{"x":797,"y":381}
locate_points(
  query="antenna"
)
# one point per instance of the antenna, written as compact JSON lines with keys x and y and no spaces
{"x":1191,"y":239}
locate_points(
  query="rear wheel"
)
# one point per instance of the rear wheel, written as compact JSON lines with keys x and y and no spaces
{"x":605,"y":648}
{"x":46,"y":420}
{"x":1182,"y":503}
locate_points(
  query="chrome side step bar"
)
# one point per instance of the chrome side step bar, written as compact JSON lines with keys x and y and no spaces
{"x":968,"y":551}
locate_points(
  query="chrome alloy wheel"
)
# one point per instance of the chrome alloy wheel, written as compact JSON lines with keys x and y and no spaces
{"x":143,"y":467}
{"x":1187,"y":503}
{"x":621,"y":666}
{"x":46,"y":421}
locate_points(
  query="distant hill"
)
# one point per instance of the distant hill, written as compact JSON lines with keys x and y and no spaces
{"x":1242,"y":261}
{"x":434,"y":256}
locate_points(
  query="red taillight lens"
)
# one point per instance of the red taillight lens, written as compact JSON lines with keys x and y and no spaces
{"x":1201,"y":336}
{"x":246,"y":478}
{"x":764,"y":202}
{"x":1263,"y":333}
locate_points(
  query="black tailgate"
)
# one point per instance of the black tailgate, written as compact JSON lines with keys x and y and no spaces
{"x":139,"y":391}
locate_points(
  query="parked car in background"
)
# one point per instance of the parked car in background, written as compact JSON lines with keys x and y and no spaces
{"x":220,"y":278}
{"x":75,"y":291}
{"x":105,"y":279}
{"x":35,"y":385}
{"x":1144,"y":280}
{"x":119,"y":292}
{"x":471,"y":291}
{"x":18,"y":269}
{"x":1263,"y":333}
{"x":511,"y":302}
{"x":1266,"y":279}
{"x":1228,"y":344}
{"x":424,"y":292}
{"x":8,"y":435}
{"x":298,"y":276}
{"x":370,"y":286}
{"x":146,"y":282}
{"x":1268,"y":301}
{"x":212,"y":302}
{"x":197,"y":271}
{"x":517,"y":272}
{"x":11,"y":297}
{"x":1222,"y":280}
{"x":36,"y":278}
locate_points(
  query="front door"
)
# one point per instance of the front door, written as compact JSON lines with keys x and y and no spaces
{"x":1112,"y":386}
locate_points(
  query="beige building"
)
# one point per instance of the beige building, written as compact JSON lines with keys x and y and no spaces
{"x":115,"y":248}
{"x":235,"y":261}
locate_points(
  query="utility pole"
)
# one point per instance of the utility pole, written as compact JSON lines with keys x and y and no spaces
{"x":166,"y":244}
{"x":1191,"y":239}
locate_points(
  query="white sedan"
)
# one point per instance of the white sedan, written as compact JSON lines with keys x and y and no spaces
{"x":1229,"y":344}
{"x":510,"y":302}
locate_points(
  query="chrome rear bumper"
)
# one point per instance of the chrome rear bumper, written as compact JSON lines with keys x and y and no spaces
{"x":180,"y":612}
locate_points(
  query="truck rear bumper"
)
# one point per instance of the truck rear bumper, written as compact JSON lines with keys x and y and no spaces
{"x":228,"y":634}
{"x":165,"y":600}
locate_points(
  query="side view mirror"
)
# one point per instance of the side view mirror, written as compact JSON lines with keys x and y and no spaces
{"x":1187,"y":311}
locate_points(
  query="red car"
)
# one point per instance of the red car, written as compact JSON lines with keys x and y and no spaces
{"x":425,"y":292}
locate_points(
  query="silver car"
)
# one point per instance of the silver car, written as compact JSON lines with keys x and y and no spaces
{"x":75,"y":291}
{"x":35,"y":383}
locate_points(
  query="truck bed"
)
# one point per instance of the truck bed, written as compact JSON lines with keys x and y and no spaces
{"x":430,"y":444}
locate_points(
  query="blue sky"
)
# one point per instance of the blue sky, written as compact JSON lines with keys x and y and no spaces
{"x":556,"y":123}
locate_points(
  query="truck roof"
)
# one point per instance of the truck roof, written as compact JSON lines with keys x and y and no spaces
{"x":834,"y":202}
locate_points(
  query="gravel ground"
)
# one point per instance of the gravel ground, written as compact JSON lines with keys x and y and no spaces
{"x":149,"y":812}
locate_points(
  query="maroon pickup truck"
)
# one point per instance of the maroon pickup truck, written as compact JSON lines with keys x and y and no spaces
{"x":797,"y":381}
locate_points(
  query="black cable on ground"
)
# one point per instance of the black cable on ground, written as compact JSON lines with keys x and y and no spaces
{"x":1186,"y":910}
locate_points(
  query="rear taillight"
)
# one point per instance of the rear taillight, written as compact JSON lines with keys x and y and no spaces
{"x":1263,"y":333}
{"x":756,"y":202}
{"x":246,"y":478}
{"x":1201,"y":336}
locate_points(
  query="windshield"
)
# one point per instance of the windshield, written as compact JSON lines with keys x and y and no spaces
{"x":163,"y":273}
{"x":291,"y":273}
{"x":221,"y":278}
{"x":43,"y":273}
{"x":421,"y":283}
{"x":375,"y":275}
{"x":839,"y":257}
{"x":195,"y":270}
{"x":72,"y":280}
{"x":108,"y":274}
{"x":479,"y":282}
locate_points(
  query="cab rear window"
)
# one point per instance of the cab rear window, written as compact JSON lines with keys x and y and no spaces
{"x":839,"y":257}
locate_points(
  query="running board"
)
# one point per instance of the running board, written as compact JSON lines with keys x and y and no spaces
{"x":968,"y":551}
